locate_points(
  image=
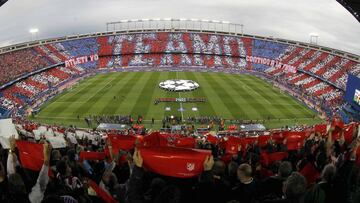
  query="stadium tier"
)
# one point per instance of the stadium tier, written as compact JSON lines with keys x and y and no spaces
{"x":31,"y":73}
{"x":209,"y":97}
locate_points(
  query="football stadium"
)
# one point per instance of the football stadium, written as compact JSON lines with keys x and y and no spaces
{"x":178,"y":110}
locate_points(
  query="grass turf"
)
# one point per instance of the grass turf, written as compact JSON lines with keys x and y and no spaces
{"x":230,"y":96}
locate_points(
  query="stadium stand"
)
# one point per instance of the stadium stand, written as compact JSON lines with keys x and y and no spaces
{"x":319,"y":74}
{"x":18,"y":63}
{"x":316,"y":164}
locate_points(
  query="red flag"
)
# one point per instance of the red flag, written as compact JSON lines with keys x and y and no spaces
{"x":101,"y":193}
{"x":348,"y":133}
{"x":264,"y":159}
{"x":248,"y":140}
{"x":31,"y":155}
{"x":232,"y":144}
{"x":267,"y":159}
{"x":186,"y":142}
{"x":166,"y":140}
{"x":226,"y":158}
{"x":301,"y":134}
{"x":310,"y":173}
{"x":91,"y":155}
{"x":156,"y":139}
{"x":173,"y":161}
{"x":294,"y":142}
{"x":278,"y":137}
{"x":321,"y":128}
{"x":212,"y":139}
{"x":263,"y":140}
{"x":337,"y":123}
{"x":122,"y":142}
{"x":277,"y":156}
{"x":152,"y":140}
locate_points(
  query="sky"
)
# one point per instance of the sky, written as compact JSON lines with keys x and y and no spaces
{"x":287,"y":19}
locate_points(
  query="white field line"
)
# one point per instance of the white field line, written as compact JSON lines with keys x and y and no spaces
{"x":249,"y":88}
{"x":100,"y":89}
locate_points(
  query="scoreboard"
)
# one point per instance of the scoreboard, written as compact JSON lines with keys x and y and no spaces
{"x":352,"y":94}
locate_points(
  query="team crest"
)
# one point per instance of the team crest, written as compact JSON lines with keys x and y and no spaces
{"x":190,"y":166}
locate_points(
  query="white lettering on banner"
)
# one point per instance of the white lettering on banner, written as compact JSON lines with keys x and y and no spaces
{"x":272,"y":63}
{"x":80,"y":60}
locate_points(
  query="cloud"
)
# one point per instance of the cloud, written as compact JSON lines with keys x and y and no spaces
{"x":289,"y":19}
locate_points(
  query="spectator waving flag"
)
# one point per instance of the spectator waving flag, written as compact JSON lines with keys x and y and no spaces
{"x":101,"y":193}
{"x":31,"y":155}
{"x":122,"y":142}
{"x":92,"y":155}
{"x":186,"y":142}
{"x":321,"y":128}
{"x":173,"y":161}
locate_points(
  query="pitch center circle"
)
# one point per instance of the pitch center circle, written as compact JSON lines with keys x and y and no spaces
{"x":176,"y":85}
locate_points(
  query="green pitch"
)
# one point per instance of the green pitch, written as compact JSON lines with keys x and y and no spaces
{"x":230,"y":96}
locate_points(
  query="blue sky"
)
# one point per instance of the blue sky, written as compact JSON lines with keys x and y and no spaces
{"x":288,"y":19}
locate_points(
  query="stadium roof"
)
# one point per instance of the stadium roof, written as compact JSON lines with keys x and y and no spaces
{"x":353,"y":6}
{"x":335,"y":26}
{"x":2,"y":2}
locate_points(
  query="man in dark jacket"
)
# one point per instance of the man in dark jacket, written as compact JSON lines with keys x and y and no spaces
{"x":137,"y":193}
{"x":272,"y":187}
{"x":247,"y":189}
{"x":213,"y":186}
{"x":294,"y":189}
{"x":323,"y":192}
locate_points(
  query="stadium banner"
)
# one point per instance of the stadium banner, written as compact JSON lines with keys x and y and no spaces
{"x":272,"y":63}
{"x":80,"y":60}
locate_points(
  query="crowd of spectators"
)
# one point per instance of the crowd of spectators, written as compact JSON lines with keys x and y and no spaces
{"x":204,"y":119}
{"x":172,"y":49}
{"x":329,"y":67}
{"x":18,"y":63}
{"x":25,"y":91}
{"x":115,"y":119}
{"x":324,"y":168}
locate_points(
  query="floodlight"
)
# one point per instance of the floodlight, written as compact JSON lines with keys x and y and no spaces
{"x":33,"y":30}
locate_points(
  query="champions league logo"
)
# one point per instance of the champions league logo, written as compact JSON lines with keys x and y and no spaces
{"x":179,"y":85}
